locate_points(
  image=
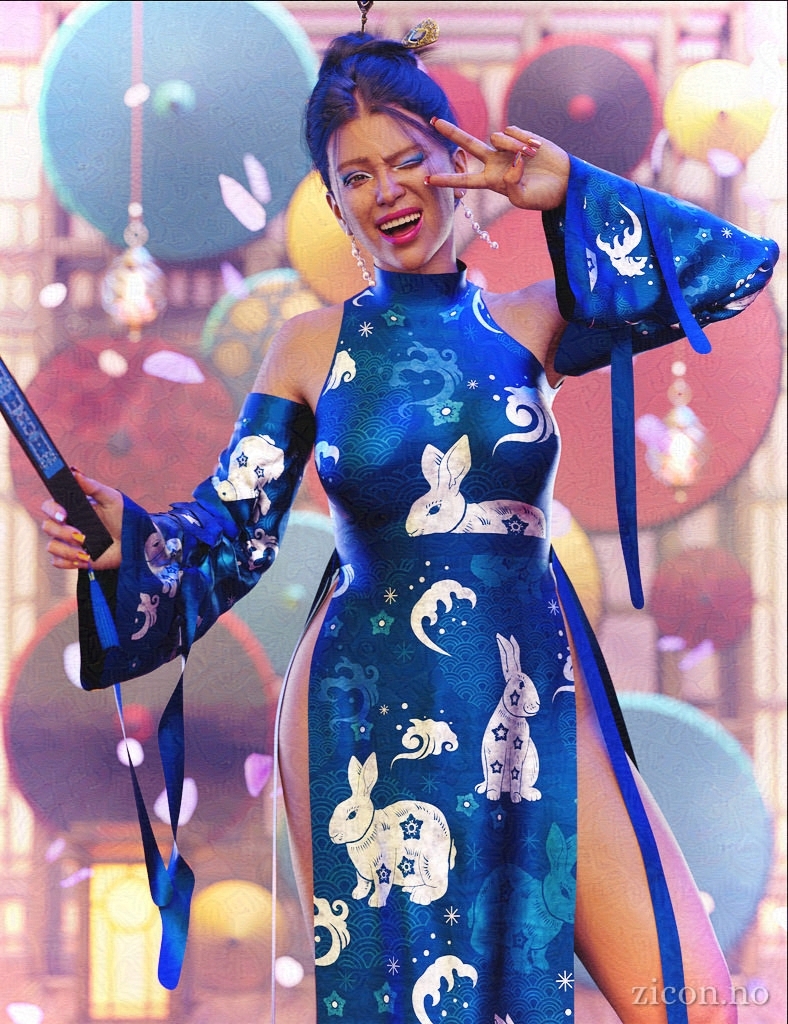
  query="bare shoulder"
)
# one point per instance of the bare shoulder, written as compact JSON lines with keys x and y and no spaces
{"x":531,"y":316}
{"x":300,"y":354}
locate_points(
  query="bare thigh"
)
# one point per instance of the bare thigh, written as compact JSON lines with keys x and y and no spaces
{"x":615,"y":933}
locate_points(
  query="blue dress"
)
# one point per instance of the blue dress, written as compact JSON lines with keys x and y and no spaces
{"x":441,"y":688}
{"x":442,"y":727}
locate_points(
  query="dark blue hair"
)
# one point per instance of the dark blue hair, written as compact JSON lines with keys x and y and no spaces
{"x":379,"y":75}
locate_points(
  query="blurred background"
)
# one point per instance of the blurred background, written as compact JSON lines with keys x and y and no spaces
{"x":158,"y":221}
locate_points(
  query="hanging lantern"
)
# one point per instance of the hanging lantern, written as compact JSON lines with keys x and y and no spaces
{"x":133,"y":291}
{"x":677,"y":445}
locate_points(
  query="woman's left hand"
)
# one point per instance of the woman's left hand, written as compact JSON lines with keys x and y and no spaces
{"x":530,"y":171}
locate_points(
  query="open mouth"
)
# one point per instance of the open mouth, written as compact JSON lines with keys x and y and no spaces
{"x":399,"y":227}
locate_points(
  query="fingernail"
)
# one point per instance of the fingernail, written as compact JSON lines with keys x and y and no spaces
{"x":432,"y":121}
{"x":78,"y":537}
{"x":75,"y":470}
{"x":60,"y":517}
{"x":518,"y":158}
{"x":427,"y":179}
{"x":82,"y":556}
{"x":532,"y":146}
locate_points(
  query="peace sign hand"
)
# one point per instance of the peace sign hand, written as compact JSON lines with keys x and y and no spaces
{"x":530,"y":171}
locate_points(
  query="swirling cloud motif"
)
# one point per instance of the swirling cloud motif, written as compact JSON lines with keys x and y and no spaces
{"x":429,"y":984}
{"x":323,"y":451}
{"x":346,"y":576}
{"x":427,"y":608}
{"x":524,"y":412}
{"x":343,"y":370}
{"x":425,"y":737}
{"x":332,"y":917}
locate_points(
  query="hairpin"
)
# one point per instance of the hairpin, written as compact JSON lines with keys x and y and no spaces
{"x":423,"y":34}
{"x":365,"y":6}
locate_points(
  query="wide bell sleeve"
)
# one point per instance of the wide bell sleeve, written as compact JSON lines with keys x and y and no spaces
{"x":636,"y":269}
{"x":183,"y":568}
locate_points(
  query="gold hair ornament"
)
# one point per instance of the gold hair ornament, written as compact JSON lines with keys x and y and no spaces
{"x":423,"y":34}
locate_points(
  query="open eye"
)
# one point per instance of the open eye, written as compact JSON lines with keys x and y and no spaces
{"x":355,"y":178}
{"x":434,"y":508}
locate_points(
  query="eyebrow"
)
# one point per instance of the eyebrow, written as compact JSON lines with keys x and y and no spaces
{"x":392,"y":158}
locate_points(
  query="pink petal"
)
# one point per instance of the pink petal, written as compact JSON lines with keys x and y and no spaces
{"x":257,"y":771}
{"x":234,"y":281}
{"x":24,"y":1013}
{"x":692,"y":658}
{"x":258,"y":178}
{"x":174,"y":366}
{"x":242,"y":204}
{"x":188,"y":803}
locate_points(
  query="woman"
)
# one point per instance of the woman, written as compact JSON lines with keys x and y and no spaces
{"x":467,"y":816}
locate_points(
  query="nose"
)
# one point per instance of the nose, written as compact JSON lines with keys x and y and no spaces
{"x":389,"y":188}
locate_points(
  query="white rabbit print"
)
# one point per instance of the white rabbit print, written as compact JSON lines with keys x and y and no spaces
{"x":509,"y":757}
{"x":407,"y":843}
{"x":443,"y":509}
{"x":255,"y":461}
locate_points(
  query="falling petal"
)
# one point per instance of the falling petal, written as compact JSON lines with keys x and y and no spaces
{"x":692,"y":658}
{"x":234,"y":281}
{"x":561,"y":519}
{"x":72,"y":664}
{"x":723,"y":163}
{"x":130,"y":749}
{"x":188,"y":803}
{"x":136,"y":95}
{"x":174,"y":366}
{"x":52,"y":295}
{"x":79,"y":876}
{"x":671,"y":643}
{"x":242,"y":204}
{"x":257,"y":771}
{"x":288,"y":971}
{"x":55,"y":850}
{"x":257,"y":178}
{"x":24,"y":1013}
{"x":652,"y":432}
{"x":113,"y":363}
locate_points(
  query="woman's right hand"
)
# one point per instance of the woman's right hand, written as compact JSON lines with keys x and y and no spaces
{"x":65,"y":542}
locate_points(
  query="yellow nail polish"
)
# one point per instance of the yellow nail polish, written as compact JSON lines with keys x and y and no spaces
{"x":83,"y":556}
{"x":78,"y":537}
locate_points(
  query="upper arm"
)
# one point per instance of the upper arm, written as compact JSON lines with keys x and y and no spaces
{"x":299,"y":356}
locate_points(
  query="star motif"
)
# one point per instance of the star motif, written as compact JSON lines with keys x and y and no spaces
{"x":564,"y":980}
{"x":514,"y":524}
{"x":411,"y":827}
{"x":335,"y":1004}
{"x":366,"y":329}
{"x":381,"y":623}
{"x":242,"y":459}
{"x":450,"y":314}
{"x":384,"y":875}
{"x":451,"y":916}
{"x":497,"y":767}
{"x":500,"y":732}
{"x":394,"y":317}
{"x":474,"y":855}
{"x":703,"y":235}
{"x":466,"y":804}
{"x":362,"y":730}
{"x":392,"y":965}
{"x":390,"y":595}
{"x":406,"y":867}
{"x":333,"y":625}
{"x":259,"y":472}
{"x":552,"y":607}
{"x":517,"y":743}
{"x":449,"y":412}
{"x":514,"y":699}
{"x":472,"y":385}
{"x":386,"y":997}
{"x":403,"y":652}
{"x":429,"y":782}
{"x":727,"y":233}
{"x":531,"y":841}
{"x":383,"y":709}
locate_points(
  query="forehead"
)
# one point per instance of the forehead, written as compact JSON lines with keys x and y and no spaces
{"x":374,"y":135}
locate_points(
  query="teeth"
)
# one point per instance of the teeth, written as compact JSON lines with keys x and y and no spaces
{"x":390,"y":225}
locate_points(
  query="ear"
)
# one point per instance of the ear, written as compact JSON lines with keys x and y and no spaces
{"x":333,"y":205}
{"x":460,"y":166}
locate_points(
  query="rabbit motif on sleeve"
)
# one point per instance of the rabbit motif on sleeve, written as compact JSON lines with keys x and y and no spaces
{"x":509,"y":757}
{"x":407,"y":843}
{"x":443,"y":509}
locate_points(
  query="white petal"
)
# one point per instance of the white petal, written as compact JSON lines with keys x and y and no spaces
{"x":242,"y":204}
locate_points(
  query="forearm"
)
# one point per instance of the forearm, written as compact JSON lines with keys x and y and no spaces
{"x":184,"y":568}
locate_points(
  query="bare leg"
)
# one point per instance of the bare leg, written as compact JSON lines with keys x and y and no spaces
{"x":615,"y":934}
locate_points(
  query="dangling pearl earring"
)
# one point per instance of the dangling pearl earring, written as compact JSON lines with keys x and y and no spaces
{"x":484,"y":235}
{"x":362,"y":263}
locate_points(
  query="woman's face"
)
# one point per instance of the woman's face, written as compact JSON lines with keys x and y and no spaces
{"x":377,"y":168}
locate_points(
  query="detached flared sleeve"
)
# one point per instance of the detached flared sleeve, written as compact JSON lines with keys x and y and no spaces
{"x":636,"y":269}
{"x":183,"y":568}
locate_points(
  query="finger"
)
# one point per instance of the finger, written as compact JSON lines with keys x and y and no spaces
{"x":522,"y":137}
{"x":468,"y":142}
{"x":54,"y":511}
{"x":466,"y":180}
{"x":67,"y":556}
